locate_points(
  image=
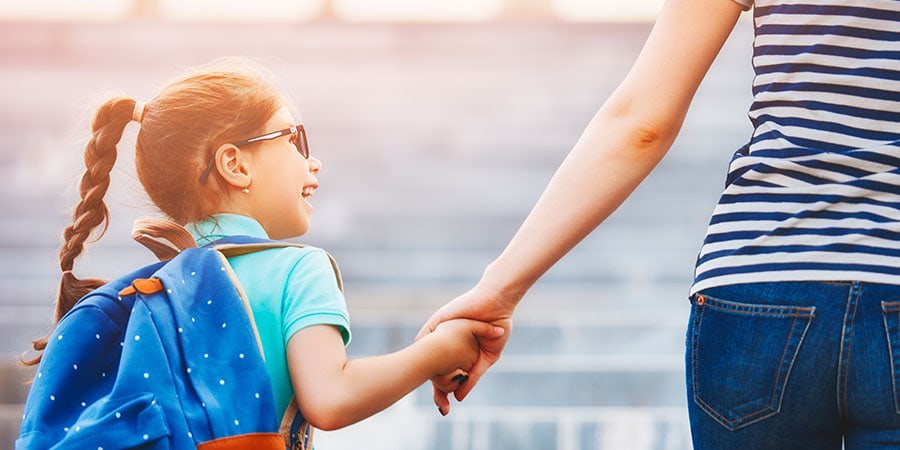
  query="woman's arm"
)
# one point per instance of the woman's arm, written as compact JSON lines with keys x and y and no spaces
{"x":620,"y":146}
{"x":334,"y":392}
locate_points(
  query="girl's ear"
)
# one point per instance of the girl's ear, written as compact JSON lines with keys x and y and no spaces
{"x":234,"y":165}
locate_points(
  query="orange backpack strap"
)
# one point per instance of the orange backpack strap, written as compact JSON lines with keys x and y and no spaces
{"x":256,"y":441}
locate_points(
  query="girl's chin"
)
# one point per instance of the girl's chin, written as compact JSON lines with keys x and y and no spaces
{"x":303,"y":228}
{"x":297,"y":227}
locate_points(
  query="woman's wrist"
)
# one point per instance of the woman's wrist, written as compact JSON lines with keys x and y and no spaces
{"x":496,"y":284}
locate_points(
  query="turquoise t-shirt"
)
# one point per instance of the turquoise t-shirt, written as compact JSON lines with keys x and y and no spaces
{"x":288,"y":289}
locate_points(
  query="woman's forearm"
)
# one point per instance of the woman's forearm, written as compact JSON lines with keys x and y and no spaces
{"x":603,"y":168}
{"x":621,"y":145}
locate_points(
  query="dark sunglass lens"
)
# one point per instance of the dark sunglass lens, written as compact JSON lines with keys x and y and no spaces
{"x":300,"y":143}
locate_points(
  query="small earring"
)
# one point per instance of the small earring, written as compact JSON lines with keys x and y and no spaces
{"x":247,"y":190}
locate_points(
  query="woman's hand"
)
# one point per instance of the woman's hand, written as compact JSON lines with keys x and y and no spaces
{"x":458,"y":342}
{"x":475,"y":304}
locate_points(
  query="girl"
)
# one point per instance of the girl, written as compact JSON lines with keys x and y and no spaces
{"x":220,"y":152}
{"x":794,"y":333}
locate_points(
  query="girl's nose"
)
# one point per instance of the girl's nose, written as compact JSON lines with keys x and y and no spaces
{"x":315,"y":166}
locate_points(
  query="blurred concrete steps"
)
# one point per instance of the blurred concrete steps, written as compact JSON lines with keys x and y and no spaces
{"x":13,"y":390}
{"x":436,"y":141}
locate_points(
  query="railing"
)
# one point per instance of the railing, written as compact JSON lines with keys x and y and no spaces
{"x":474,"y":428}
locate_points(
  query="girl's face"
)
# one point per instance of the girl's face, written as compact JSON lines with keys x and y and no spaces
{"x":282,"y":182}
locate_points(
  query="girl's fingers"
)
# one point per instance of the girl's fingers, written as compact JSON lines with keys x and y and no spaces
{"x":442,"y":400}
{"x":450,"y":381}
{"x":444,"y":385}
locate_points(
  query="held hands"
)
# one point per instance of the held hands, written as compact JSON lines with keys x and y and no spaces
{"x":456,"y":343}
{"x":478,"y":306}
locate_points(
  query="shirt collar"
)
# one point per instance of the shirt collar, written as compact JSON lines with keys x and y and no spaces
{"x":218,"y":226}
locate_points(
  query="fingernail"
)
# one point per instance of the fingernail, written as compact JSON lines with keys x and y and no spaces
{"x":440,"y":410}
{"x":460,"y":379}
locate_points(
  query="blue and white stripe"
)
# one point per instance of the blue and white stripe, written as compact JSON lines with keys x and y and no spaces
{"x":815,"y":194}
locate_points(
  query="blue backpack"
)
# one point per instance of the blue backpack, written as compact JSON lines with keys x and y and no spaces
{"x":166,"y":357}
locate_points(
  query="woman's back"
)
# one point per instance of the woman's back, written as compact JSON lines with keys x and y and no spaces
{"x":818,"y":181}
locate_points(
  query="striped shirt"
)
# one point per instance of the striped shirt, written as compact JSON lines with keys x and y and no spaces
{"x":815,"y":194}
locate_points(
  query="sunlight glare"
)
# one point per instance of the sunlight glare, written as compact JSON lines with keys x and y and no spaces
{"x":53,"y":10}
{"x":229,"y":11}
{"x":607,"y":10}
{"x":419,"y":10}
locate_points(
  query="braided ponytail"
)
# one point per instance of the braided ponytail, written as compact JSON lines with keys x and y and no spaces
{"x":91,"y":212}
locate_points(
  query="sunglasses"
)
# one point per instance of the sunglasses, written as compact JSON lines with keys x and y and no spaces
{"x":298,"y":138}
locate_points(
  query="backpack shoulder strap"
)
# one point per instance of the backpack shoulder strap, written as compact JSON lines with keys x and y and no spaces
{"x":163,"y":237}
{"x":167,"y":239}
{"x":295,"y":429}
{"x":241,"y":245}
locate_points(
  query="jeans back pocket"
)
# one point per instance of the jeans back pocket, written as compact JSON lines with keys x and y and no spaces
{"x":741,"y":356}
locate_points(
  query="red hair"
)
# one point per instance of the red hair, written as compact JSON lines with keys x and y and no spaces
{"x":181,"y":128}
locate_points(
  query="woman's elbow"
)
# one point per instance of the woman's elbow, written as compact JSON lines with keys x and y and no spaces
{"x":638,"y":125}
{"x":653,"y":135}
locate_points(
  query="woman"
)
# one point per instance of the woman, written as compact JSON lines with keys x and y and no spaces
{"x":794,"y":324}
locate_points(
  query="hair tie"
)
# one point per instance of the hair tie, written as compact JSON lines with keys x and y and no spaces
{"x":138,"y":112}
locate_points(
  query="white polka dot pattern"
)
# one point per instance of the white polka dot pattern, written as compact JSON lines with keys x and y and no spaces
{"x":120,"y":367}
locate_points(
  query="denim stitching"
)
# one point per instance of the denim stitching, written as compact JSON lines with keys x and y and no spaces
{"x":846,"y":340}
{"x":781,"y":378}
{"x":891,"y":308}
{"x":766,"y":310}
{"x":698,"y":324}
{"x":776,"y":389}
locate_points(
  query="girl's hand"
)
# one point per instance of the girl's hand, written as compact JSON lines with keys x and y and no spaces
{"x":451,"y":381}
{"x":334,"y":391}
{"x":480,"y":306}
{"x":457,"y":345}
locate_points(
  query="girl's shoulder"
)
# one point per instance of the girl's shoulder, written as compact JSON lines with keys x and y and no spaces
{"x":280,"y":259}
{"x":269,"y":249}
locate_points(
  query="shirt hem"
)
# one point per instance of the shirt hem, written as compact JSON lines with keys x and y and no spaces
{"x":793,"y":275}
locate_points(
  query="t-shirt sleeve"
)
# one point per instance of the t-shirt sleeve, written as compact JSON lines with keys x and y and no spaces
{"x":312,"y":296}
{"x":746,"y":4}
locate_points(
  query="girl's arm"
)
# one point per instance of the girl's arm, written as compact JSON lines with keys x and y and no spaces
{"x":334,"y":392}
{"x":623,"y":142}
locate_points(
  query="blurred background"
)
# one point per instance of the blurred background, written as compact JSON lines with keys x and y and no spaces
{"x":439,"y":124}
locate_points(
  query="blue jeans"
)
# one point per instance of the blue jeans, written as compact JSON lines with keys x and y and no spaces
{"x":795,"y":365}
